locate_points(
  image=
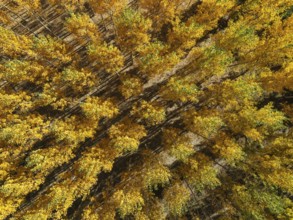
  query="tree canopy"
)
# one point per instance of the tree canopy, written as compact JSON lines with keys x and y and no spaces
{"x":146,"y":109}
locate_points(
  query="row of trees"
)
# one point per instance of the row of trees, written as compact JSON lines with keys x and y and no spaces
{"x":162,"y":109}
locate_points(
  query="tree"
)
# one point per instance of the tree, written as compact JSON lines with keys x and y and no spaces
{"x":277,"y":81}
{"x":125,"y":136}
{"x":78,"y":80}
{"x":23,"y":131}
{"x":177,"y":145}
{"x":154,"y":58}
{"x":108,"y":6}
{"x":152,"y":113}
{"x":50,"y":49}
{"x":95,"y":108}
{"x":183,"y":35}
{"x":210,"y":11}
{"x":130,"y":86}
{"x":166,"y":109}
{"x":206,"y":58}
{"x":73,"y":130}
{"x":16,"y":70}
{"x":82,"y":26}
{"x":14,"y":45}
{"x":32,"y":4}
{"x":181,"y":89}
{"x":238,"y":38}
{"x":132,"y":29}
{"x":176,"y":198}
{"x":161,"y":12}
{"x":108,"y":57}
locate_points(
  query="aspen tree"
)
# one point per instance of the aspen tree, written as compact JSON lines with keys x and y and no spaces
{"x":146,"y":109}
{"x":152,"y":113}
{"x":130,"y":86}
{"x":178,"y":146}
{"x":154,"y":58}
{"x":183,"y":35}
{"x":32,"y":4}
{"x":181,"y":89}
{"x":112,"y":7}
{"x":125,"y":136}
{"x":78,"y":80}
{"x":82,"y":26}
{"x":108,"y":57}
{"x":161,"y":12}
{"x":176,"y":198}
{"x":13,"y":45}
{"x":210,"y":11}
{"x":49,"y":48}
{"x":132,"y":29}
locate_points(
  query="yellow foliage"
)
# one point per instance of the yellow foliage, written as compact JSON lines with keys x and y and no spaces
{"x":14,"y":45}
{"x":16,"y":70}
{"x":108,"y":6}
{"x":183,"y":36}
{"x":211,"y":61}
{"x":95,"y":108}
{"x":51,"y":49}
{"x":24,"y":131}
{"x":238,"y":37}
{"x":132,"y":29}
{"x":128,"y":202}
{"x":176,"y":198}
{"x":161,"y":11}
{"x":233,"y":95}
{"x":44,"y":160}
{"x":197,"y":103}
{"x":125,"y":136}
{"x":73,"y":130}
{"x":210,"y":11}
{"x":108,"y":57}
{"x":229,"y":150}
{"x":131,"y":86}
{"x":32,"y":4}
{"x":11,"y":102}
{"x":78,"y":80}
{"x":181,"y":89}
{"x":278,"y":81}
{"x":82,"y":26}
{"x":154,"y":172}
{"x":151,"y":112}
{"x":154,"y":58}
{"x":178,"y":146}
{"x":19,"y":187}
{"x":206,"y":126}
{"x":256,"y":123}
